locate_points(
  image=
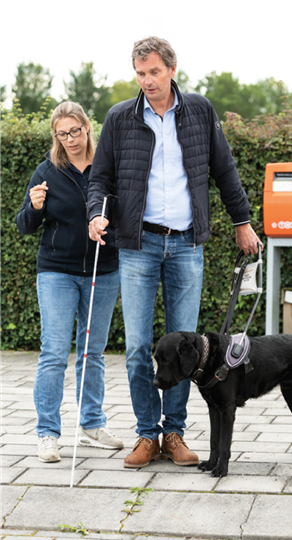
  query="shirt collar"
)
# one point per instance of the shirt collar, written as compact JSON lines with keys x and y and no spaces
{"x":175,"y":103}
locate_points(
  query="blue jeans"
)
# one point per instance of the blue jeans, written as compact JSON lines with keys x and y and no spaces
{"x":179,"y":265}
{"x":61,"y":296}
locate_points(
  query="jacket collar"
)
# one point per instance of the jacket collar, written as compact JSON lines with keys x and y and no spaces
{"x":139,"y":104}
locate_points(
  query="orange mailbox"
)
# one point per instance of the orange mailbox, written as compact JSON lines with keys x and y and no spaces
{"x":278,"y":200}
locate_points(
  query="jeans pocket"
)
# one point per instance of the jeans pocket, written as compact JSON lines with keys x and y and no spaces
{"x":188,"y":237}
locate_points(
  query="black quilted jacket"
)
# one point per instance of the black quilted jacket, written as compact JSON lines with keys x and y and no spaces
{"x":123,"y":159}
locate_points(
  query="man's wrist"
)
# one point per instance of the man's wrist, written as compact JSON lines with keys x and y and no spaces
{"x":241,"y":223}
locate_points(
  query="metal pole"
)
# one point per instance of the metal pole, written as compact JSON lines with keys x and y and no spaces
{"x":86,"y":347}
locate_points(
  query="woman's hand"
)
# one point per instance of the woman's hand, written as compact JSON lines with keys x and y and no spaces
{"x":38,"y":195}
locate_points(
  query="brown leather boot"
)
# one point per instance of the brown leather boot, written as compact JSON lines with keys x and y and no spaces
{"x":144,"y":451}
{"x":174,"y":447}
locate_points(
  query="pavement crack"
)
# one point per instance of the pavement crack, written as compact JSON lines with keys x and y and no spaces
{"x":16,"y":505}
{"x":249,"y":512}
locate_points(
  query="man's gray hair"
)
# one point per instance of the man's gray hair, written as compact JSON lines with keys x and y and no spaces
{"x":154,"y":44}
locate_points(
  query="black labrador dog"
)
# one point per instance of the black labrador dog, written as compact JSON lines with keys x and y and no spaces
{"x":187,"y":355}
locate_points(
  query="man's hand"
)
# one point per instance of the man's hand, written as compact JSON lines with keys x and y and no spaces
{"x":96,"y":229}
{"x":247,"y":240}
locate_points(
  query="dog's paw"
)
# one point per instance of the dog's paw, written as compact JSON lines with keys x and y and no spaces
{"x":219,"y":471}
{"x":206,"y":466}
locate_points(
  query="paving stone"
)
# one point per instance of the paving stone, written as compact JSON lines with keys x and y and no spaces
{"x":28,"y":414}
{"x":253,"y":410}
{"x":16,"y":429}
{"x":260,"y":447}
{"x":50,"y":477}
{"x":65,"y":463}
{"x":257,"y":469}
{"x":191,"y":514}
{"x":270,"y":518}
{"x":113,"y":424}
{"x":117,"y":479}
{"x":276,"y":412}
{"x":47,"y":507}
{"x":283,"y":469}
{"x":104,"y":464}
{"x":6,"y":404}
{"x":183,"y":482}
{"x":18,"y":439}
{"x":246,"y":419}
{"x":268,"y":457}
{"x":288,"y":487}
{"x":270,"y":428}
{"x":89,"y":452}
{"x":10,"y":499}
{"x":12,"y":420}
{"x":251,"y":484}
{"x":283,"y":420}
{"x":17,"y":532}
{"x":275,"y":437}
{"x":19,"y":449}
{"x":9,"y":475}
{"x":49,"y":536}
{"x":8,"y":461}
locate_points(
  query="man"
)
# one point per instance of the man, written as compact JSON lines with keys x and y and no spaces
{"x":153,"y":154}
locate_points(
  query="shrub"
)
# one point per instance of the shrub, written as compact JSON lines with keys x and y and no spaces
{"x":25,"y":141}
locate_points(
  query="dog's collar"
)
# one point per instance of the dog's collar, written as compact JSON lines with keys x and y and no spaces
{"x":204,"y":358}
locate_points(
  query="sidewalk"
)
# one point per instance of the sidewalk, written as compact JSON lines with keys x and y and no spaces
{"x":253,"y":502}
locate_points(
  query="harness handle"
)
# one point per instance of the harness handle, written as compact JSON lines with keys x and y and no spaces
{"x":235,"y":288}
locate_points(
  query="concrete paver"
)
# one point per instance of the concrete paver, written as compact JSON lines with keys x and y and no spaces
{"x":254,"y":502}
{"x":270,"y":518}
{"x":191,"y":514}
{"x":47,"y":508}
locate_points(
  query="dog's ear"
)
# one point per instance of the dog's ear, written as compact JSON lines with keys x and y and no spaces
{"x":188,"y":356}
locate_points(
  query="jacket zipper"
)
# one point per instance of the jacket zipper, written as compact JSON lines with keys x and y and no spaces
{"x":145,"y":191}
{"x":145,"y":126}
{"x":54,"y":234}
{"x":182,"y":151}
{"x":86,"y":222}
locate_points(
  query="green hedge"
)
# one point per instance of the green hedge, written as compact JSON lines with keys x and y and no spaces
{"x":26,"y":139}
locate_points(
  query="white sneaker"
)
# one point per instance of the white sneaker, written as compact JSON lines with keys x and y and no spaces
{"x":100,"y":438}
{"x":48,"y":449}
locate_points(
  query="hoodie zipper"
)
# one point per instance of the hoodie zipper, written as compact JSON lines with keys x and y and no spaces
{"x":86,"y":222}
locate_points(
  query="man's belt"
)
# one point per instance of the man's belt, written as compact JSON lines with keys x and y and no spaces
{"x":160,"y":229}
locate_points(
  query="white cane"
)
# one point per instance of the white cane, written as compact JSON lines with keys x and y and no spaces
{"x":86,"y":347}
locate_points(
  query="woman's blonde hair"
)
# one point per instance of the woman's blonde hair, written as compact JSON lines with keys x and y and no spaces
{"x":71,"y":109}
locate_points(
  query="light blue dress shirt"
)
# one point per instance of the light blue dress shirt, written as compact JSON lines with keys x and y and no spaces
{"x":168,"y":200}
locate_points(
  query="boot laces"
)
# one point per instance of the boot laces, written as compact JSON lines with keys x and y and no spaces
{"x":145,"y":441}
{"x":175,"y":439}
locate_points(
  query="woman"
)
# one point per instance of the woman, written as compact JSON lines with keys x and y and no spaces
{"x":56,"y":197}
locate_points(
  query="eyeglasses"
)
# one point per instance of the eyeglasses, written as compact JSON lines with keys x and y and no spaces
{"x":74,"y":132}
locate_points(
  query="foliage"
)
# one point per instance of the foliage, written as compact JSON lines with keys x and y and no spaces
{"x":227,"y":94}
{"x":94,"y":96}
{"x":123,"y":90}
{"x":32,"y":86}
{"x":3,"y":92}
{"x":79,"y":529}
{"x":131,"y":505}
{"x":183,"y":81}
{"x":25,"y":140}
